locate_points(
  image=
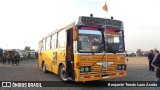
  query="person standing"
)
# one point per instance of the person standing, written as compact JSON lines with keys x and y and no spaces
{"x":36,"y":55}
{"x":8,"y":58}
{"x":4,"y":59}
{"x":156,"y":64}
{"x":16,"y":57}
{"x":150,"y":58}
{"x":1,"y":54}
{"x":29,"y":55}
{"x":12,"y":59}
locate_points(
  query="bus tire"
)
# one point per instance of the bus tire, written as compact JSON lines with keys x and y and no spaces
{"x":44,"y":68}
{"x":62,"y":73}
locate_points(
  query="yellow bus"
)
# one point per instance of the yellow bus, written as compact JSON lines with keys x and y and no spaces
{"x":86,"y":50}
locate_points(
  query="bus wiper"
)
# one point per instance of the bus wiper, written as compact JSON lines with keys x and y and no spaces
{"x":99,"y":48}
{"x":110,"y":48}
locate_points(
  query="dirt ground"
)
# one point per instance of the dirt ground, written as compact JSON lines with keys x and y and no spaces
{"x":138,"y":69}
{"x":137,"y":61}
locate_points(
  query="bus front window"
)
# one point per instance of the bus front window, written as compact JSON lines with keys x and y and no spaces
{"x":114,"y":41}
{"x":89,"y":41}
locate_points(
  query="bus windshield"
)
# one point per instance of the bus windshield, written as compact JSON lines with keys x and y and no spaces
{"x":114,"y":41}
{"x":89,"y":41}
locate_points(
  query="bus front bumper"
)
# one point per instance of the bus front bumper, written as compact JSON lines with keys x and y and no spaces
{"x":99,"y":76}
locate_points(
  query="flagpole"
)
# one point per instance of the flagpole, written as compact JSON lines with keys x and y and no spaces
{"x":104,"y":37}
{"x":106,"y":10}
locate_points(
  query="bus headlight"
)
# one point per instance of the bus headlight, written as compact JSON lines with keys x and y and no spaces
{"x":82,"y":69}
{"x":121,"y":67}
{"x":85,"y":69}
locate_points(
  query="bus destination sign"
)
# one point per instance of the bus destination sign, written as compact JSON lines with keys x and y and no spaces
{"x":99,"y":21}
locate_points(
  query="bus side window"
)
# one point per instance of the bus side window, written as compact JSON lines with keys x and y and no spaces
{"x":44,"y":44}
{"x":48,"y":43}
{"x":54,"y":41}
{"x":61,"y":39}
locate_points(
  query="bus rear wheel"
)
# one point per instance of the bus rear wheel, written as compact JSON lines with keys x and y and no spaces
{"x":44,"y":68}
{"x":63,"y":74}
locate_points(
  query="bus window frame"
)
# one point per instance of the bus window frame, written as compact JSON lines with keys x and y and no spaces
{"x":44,"y":44}
{"x":54,"y":41}
{"x":120,"y":35}
{"x":48,"y":46}
{"x":59,"y":37}
{"x":78,"y":41}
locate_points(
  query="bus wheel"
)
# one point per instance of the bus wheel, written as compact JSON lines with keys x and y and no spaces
{"x":62,"y":73}
{"x":44,"y":68}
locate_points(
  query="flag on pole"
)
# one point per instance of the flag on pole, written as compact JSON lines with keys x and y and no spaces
{"x":105,"y":8}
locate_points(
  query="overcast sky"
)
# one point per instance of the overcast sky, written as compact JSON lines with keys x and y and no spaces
{"x":25,"y":22}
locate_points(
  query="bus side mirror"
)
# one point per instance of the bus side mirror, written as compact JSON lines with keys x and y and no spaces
{"x":75,"y":34}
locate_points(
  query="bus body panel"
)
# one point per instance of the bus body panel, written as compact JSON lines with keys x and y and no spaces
{"x":98,"y":70}
{"x":52,"y":61}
